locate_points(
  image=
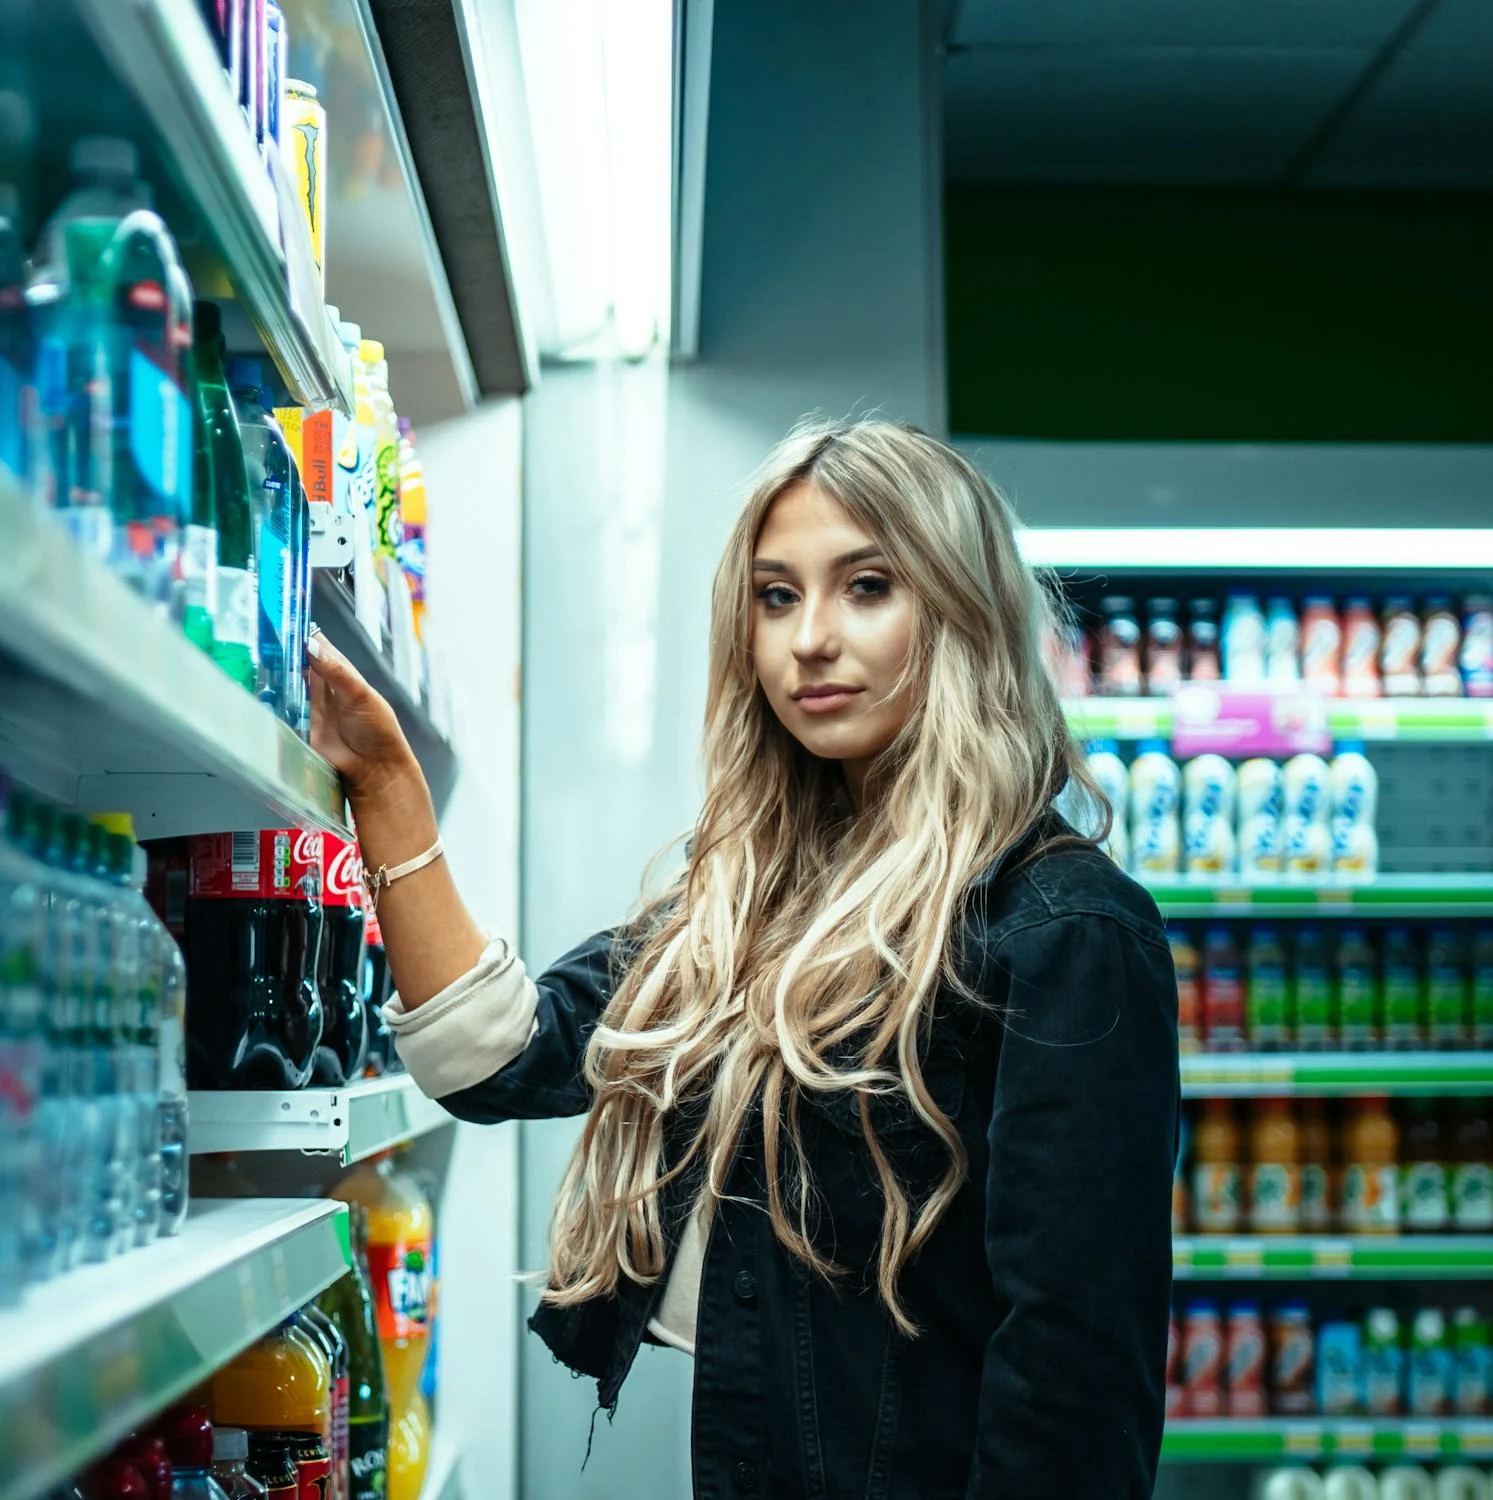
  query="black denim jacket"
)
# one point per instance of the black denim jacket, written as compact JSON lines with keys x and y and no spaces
{"x":1042,"y":1297}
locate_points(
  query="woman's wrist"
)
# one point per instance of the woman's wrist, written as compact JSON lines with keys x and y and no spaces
{"x":393,"y":811}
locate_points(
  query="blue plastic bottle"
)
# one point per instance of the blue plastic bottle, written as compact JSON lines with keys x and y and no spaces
{"x":15,"y":340}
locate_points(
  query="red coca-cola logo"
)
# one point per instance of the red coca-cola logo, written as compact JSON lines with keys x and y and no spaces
{"x":150,"y":296}
{"x":344,"y":874}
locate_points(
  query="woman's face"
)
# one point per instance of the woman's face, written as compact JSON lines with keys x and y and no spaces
{"x":831,"y":631}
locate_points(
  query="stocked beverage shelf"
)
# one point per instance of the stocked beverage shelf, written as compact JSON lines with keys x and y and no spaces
{"x":1236,"y":1440}
{"x":1405,"y":720}
{"x":1296,"y":1258}
{"x":1245,"y":1075}
{"x":1467,"y":894}
{"x":108,"y":705}
{"x":85,"y":1359}
{"x":162,"y":53}
{"x":350,"y":1124}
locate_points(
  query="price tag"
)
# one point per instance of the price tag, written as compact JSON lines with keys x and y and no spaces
{"x":1333,"y":1257}
{"x":1422,"y":1438}
{"x":1353,"y":1438}
{"x":1302,"y":1439}
{"x":1243,"y":1258}
{"x":1181,"y":1257}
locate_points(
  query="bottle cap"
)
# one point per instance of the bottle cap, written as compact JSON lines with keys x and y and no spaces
{"x":116,"y":823}
{"x":244,"y":374}
{"x":296,"y":88}
{"x":351,"y":334}
{"x":107,"y":155}
{"x":230,"y":1444}
{"x":188,"y":1436}
{"x":371,"y":352}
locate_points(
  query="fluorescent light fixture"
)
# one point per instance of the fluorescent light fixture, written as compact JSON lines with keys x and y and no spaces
{"x":1312,"y":549}
{"x":598,"y":75}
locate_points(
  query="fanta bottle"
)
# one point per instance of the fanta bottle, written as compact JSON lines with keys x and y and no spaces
{"x":400,"y":1224}
{"x":409,"y":1451}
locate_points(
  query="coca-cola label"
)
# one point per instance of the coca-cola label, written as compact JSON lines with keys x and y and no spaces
{"x":344,"y":873}
{"x":267,"y":864}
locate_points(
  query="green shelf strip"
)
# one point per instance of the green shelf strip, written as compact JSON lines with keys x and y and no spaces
{"x":1431,"y":721}
{"x":1412,"y":895}
{"x":1225,"y":1441}
{"x":1439,"y":1257}
{"x":1244,"y":1075}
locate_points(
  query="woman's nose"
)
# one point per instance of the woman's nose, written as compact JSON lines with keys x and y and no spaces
{"x":816,"y":639}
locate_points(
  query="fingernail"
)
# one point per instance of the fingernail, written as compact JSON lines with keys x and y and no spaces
{"x":313,"y":646}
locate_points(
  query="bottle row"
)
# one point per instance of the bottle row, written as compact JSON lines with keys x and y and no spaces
{"x":128,"y":425}
{"x":1354,"y":1482}
{"x":93,"y":1106}
{"x":332,"y":1404}
{"x":1274,"y":1166}
{"x":1353,"y":988}
{"x":1264,"y":821}
{"x":1247,"y":1364}
{"x":1357,"y":650}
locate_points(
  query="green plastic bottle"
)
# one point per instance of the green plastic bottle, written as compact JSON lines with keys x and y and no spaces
{"x":1446,"y":989}
{"x":1404,"y":1026}
{"x":1357,"y":992}
{"x":221,"y":473}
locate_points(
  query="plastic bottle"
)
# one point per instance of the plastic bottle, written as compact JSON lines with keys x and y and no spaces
{"x":1425,"y":1205}
{"x":271,"y":1463}
{"x":1458,"y":1482}
{"x":1446,"y":989}
{"x":189,"y":1440}
{"x":1316,"y":1166}
{"x":1361,"y":647}
{"x":1202,"y":1360}
{"x":1120,"y":673}
{"x":116,"y":1478}
{"x":282,"y":528}
{"x":409,"y":1452}
{"x":1472,"y":1381}
{"x":349,"y":1302}
{"x":1322,"y":647}
{"x":356,"y":483}
{"x":1371,"y":1155}
{"x":1208,"y":841}
{"x":400,"y":1223}
{"x":147,"y":1451}
{"x":1471,"y":1186}
{"x":1245,"y":1361}
{"x":1217,"y":1171}
{"x":1282,"y":642}
{"x":1155,"y":828}
{"x":383,"y":1055}
{"x":1270,"y":1025}
{"x":1163,"y":638}
{"x":1223,"y":992}
{"x":413,"y":503}
{"x":1189,"y":989}
{"x":1481,"y":998}
{"x":16,"y":357}
{"x":1358,"y":1001}
{"x":1293,"y":1355}
{"x":1383,"y":1363}
{"x":319,"y":1326}
{"x":1312,"y":986}
{"x":1349,"y":1482}
{"x":1355,"y":798}
{"x":222,"y":472}
{"x":1404,"y":1002}
{"x":230,"y":1465}
{"x":1275,"y":1169}
{"x":1431,"y":1366}
{"x":1203,"y":660}
{"x":1476,"y":656}
{"x":1440,"y":648}
{"x":1399,"y":651}
{"x":1288,"y":1484}
{"x":282,"y":1384}
{"x":343,"y":1049}
{"x":1243,"y":640}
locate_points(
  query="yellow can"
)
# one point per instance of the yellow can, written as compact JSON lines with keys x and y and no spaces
{"x":303,"y":143}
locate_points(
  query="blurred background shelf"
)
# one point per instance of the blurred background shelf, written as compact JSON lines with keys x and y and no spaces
{"x":106,"y":704}
{"x":349,"y":1124}
{"x":1255,"y":1074}
{"x":1430,"y":721}
{"x":1451,"y":895}
{"x":1298,"y":1258}
{"x":1231,"y":1440}
{"x":443,"y":1477}
{"x":87,"y":1357}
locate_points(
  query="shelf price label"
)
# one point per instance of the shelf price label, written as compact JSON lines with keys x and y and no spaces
{"x":1355,"y":1438}
{"x":1302,"y":1440}
{"x":1213,"y":720}
{"x":1422,"y":1438}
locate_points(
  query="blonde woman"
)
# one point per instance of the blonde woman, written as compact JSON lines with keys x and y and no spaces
{"x":881,"y":1095}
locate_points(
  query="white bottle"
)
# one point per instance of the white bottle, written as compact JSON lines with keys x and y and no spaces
{"x":1208,"y":794}
{"x":1461,"y":1483}
{"x":1208,"y":787}
{"x":1350,"y":1482}
{"x":1113,"y":776}
{"x":1355,"y":786}
{"x":1155,"y":827}
{"x":1288,"y":1484}
{"x":1406,"y":1482}
{"x":1259,"y":789}
{"x":1306,"y":785}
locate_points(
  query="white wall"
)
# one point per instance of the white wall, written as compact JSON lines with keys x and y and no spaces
{"x":473,"y":470}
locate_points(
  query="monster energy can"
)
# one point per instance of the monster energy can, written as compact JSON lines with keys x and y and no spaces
{"x":303,"y":143}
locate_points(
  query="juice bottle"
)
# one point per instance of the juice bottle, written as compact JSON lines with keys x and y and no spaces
{"x":1358,"y":1002}
{"x":1316,"y":1158}
{"x":1275,"y":1169}
{"x":1424,"y":1203}
{"x":1189,"y":990}
{"x":400,"y":1223}
{"x":334,"y":1346}
{"x":1404,"y":1029}
{"x":281,"y":1384}
{"x":1268,"y":1005}
{"x":1223,"y":992}
{"x":1471,"y":1153}
{"x":1312,"y":983}
{"x":271,"y":1464}
{"x":409,"y":1452}
{"x":230,"y":1465}
{"x":349,"y":1302}
{"x":1217,"y":1170}
{"x":1446,"y":989}
{"x":1371,"y":1154}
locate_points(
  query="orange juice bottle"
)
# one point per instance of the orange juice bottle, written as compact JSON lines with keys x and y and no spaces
{"x":281,"y":1384}
{"x":1371,"y":1154}
{"x":1216,"y":1169}
{"x":409,"y":1451}
{"x":400,"y":1222}
{"x":1316,"y":1170}
{"x":1275,"y":1169}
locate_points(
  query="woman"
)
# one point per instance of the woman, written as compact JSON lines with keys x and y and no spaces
{"x":881,"y":1096}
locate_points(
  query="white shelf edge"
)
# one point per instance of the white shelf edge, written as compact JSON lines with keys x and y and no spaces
{"x":68,"y":619}
{"x":443,"y":1477}
{"x":86,"y":1358}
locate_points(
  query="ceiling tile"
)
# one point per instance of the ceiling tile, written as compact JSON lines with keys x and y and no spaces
{"x":1153,"y":115}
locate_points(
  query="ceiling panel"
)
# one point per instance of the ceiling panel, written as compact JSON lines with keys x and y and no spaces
{"x":1180,"y":23}
{"x":1130,"y":115}
{"x":1429,"y":120}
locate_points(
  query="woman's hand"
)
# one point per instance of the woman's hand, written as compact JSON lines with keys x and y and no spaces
{"x":353,"y":727}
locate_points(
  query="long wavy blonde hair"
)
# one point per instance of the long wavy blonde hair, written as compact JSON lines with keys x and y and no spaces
{"x":801,"y":950}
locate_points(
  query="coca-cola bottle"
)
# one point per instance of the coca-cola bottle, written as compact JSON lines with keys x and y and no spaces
{"x":251,"y":933}
{"x":344,"y":1033}
{"x":382,"y":1058}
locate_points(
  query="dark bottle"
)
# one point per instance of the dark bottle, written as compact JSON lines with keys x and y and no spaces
{"x":383,"y":1056}
{"x":230,"y":1465}
{"x":1471,"y":1186}
{"x":344,"y":1037}
{"x":251,"y":936}
{"x":271,"y":1462}
{"x":349,"y":1302}
{"x":1203,"y":661}
{"x":326,"y":1333}
{"x":1425,"y":1206}
{"x":188,"y":1436}
{"x":148,"y":1454}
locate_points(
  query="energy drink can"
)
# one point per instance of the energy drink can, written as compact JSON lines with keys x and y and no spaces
{"x":277,"y":53}
{"x":303,"y":143}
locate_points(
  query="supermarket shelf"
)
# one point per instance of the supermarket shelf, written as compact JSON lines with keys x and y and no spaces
{"x":107,"y":705}
{"x":161,"y":51}
{"x":86,"y":1358}
{"x":443,"y":1477}
{"x":1458,"y":895}
{"x":333,"y":609}
{"x":1235,"y":1441}
{"x":1321,"y":1074}
{"x":1427,"y":721}
{"x":351,"y":1123}
{"x":1301,"y":1258}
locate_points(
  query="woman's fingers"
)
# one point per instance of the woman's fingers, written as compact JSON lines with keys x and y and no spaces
{"x":329,"y":665}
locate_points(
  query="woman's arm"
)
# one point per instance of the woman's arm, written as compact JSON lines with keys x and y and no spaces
{"x":428,"y":934}
{"x":1082,"y":1142}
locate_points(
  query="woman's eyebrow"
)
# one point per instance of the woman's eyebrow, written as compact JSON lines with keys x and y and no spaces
{"x":844,"y":560}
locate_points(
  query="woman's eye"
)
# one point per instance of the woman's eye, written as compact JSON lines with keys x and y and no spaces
{"x":871,"y":585}
{"x":775,"y":596}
